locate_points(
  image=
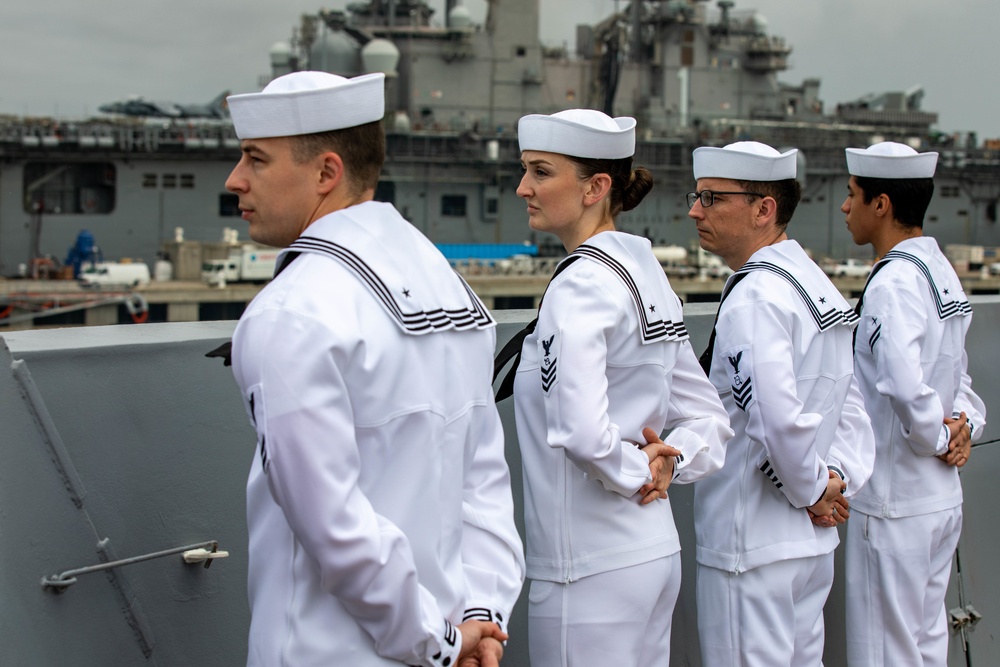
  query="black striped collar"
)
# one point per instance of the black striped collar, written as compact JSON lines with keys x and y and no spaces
{"x":825,"y":319}
{"x":652,"y":326}
{"x":471,"y":314}
{"x":945,"y":309}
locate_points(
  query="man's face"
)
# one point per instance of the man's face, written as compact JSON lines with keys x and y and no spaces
{"x":725,"y":228}
{"x":277,"y":194}
{"x":859,"y":216}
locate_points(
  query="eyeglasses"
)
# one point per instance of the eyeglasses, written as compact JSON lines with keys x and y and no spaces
{"x":707,"y":197}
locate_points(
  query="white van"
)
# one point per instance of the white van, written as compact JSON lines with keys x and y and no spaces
{"x":114,"y":274}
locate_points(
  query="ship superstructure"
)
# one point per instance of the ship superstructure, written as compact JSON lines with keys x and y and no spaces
{"x":692,"y":72}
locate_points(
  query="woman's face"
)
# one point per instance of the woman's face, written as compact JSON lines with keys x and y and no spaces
{"x":554,"y":192}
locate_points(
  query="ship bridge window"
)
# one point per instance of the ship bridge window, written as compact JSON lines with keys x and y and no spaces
{"x":453,"y":205}
{"x":687,"y":49}
{"x":521,"y":51}
{"x":229,"y":205}
{"x":491,"y":203}
{"x":73,"y":188}
{"x":950,"y":191}
{"x":169,"y":180}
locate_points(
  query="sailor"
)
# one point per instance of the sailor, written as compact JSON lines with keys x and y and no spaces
{"x":909,"y":357}
{"x":378,"y":503}
{"x":609,"y":355}
{"x":780,"y":357}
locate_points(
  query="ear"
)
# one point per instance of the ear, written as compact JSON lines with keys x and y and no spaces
{"x":331,"y":172}
{"x":598,"y":187}
{"x":883,"y":205}
{"x":767,"y":212}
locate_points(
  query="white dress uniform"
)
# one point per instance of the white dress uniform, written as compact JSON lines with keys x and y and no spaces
{"x":782,"y":365}
{"x":609,"y":356}
{"x":911,"y":364}
{"x":378,"y":502}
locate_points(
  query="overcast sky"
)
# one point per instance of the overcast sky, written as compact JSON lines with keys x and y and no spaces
{"x":66,"y":57}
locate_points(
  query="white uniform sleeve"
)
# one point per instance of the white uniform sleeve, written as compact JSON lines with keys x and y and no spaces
{"x":852,"y":452}
{"x":573,"y":327}
{"x":304,"y":419}
{"x":970,"y":403}
{"x":697,"y":422}
{"x":492,"y":552}
{"x":756,"y":338}
{"x":899,"y":373}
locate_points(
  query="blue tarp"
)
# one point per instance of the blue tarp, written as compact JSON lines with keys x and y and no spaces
{"x":456,"y":251}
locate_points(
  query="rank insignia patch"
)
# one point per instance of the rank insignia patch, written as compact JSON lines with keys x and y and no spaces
{"x":739,"y":376}
{"x":256,"y":404}
{"x":548,"y":353}
{"x":876,"y":334}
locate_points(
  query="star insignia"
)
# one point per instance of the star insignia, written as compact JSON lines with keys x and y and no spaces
{"x":406,"y":293}
{"x":822,"y":299}
{"x":947,"y":291}
{"x":652,"y":308}
{"x":874,"y":320}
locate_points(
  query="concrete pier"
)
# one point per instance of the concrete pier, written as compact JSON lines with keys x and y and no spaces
{"x":192,"y":301}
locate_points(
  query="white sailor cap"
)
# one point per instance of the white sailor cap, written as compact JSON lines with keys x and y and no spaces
{"x":744,"y":161}
{"x":889,"y":159}
{"x":578,"y":132}
{"x":306,"y":103}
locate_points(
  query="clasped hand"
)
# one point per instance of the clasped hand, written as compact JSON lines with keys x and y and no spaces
{"x":662,"y":458}
{"x":959,"y":441}
{"x":833,"y":507}
{"x":481,"y":644}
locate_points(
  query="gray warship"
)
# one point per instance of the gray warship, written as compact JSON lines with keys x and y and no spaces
{"x":693,"y":73}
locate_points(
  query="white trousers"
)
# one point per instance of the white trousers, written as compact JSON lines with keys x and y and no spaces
{"x":619,"y":618}
{"x":770,"y":616}
{"x":897,"y":577}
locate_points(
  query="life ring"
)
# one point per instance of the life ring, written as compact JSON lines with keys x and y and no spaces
{"x":138,"y":308}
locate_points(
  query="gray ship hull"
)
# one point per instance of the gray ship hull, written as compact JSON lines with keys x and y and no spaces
{"x":129,"y":434}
